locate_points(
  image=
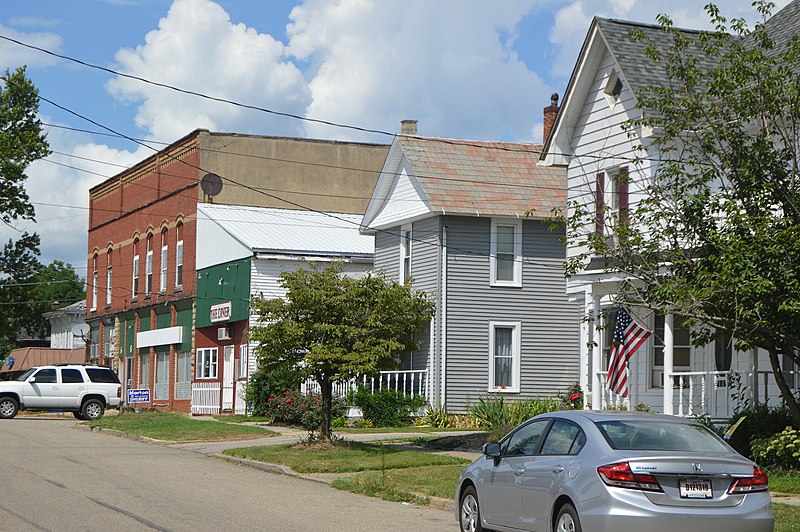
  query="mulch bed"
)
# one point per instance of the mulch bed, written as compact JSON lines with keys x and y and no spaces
{"x":467,"y":442}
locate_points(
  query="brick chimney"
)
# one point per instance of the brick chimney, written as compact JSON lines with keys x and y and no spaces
{"x":550,"y":116}
{"x":408,"y":127}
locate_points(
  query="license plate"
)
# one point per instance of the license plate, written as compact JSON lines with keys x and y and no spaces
{"x":694,"y":488}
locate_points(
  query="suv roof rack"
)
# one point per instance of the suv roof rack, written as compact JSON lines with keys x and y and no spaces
{"x":81,"y":364}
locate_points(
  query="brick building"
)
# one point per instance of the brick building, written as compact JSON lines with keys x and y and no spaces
{"x":141,"y":287}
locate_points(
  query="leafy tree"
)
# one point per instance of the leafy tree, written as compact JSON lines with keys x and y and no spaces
{"x":22,"y":141}
{"x":333,"y":328}
{"x":716,"y":237}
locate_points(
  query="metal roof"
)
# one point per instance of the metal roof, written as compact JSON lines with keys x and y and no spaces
{"x":26,"y":358}
{"x":285,"y":231}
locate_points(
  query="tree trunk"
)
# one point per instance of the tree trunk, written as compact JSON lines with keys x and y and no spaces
{"x":786,"y":392}
{"x":326,"y":390}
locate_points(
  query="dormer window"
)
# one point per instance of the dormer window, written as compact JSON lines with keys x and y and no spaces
{"x":613,"y":88}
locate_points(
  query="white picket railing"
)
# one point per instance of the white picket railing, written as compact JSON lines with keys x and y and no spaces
{"x":408,"y":382}
{"x":205,"y":397}
{"x":707,"y":392}
{"x":240,"y":405}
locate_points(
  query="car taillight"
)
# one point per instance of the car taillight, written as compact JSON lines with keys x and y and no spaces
{"x":620,"y":475}
{"x":119,"y":391}
{"x":758,"y":482}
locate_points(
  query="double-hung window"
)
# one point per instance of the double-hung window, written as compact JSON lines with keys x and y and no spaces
{"x":504,"y":356}
{"x":148,"y":268}
{"x":611,"y":206}
{"x":162,"y":280}
{"x":405,"y":253}
{"x":135,"y":267}
{"x":94,"y":282}
{"x":506,"y":253}
{"x":207,"y":363}
{"x":109,"y":278}
{"x":244,"y":361}
{"x":179,"y":256}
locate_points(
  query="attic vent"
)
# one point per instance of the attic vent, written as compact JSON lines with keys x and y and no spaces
{"x":613,"y":88}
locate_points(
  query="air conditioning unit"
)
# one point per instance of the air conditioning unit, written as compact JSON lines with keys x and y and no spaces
{"x":224,"y":333}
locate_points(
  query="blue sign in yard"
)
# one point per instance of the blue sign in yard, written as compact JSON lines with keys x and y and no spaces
{"x":139,"y":396}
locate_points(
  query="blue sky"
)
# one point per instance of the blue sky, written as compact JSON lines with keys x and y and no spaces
{"x":474,"y":69}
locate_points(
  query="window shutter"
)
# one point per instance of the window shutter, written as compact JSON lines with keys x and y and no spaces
{"x":622,"y":194}
{"x":599,"y":186}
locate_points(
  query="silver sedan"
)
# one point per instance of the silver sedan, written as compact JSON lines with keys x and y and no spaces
{"x":612,"y":471}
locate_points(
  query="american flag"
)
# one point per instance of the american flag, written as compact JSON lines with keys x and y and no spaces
{"x":628,"y":337}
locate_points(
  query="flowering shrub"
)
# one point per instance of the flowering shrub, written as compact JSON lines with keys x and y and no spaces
{"x":781,"y":450}
{"x":294,"y":408}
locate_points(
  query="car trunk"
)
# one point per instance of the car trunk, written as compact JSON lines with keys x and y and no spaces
{"x":692,"y":482}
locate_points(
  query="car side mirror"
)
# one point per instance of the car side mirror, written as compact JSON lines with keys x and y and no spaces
{"x":33,"y":380}
{"x":491,"y":449}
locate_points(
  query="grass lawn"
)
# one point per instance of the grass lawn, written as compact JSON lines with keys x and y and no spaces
{"x":784,"y":482}
{"x":172,"y":426}
{"x":344,"y":458}
{"x":787,"y":517}
{"x":228,"y":418}
{"x":431,"y":481}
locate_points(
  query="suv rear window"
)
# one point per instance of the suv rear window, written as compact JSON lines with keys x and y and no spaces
{"x":102,"y":375}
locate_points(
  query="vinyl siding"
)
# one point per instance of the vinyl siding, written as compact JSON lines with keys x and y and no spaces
{"x":550,"y":324}
{"x":387,"y":252}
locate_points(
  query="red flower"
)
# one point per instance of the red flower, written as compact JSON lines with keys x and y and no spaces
{"x":288,"y":401}
{"x":270,"y":399}
{"x":575,"y":396}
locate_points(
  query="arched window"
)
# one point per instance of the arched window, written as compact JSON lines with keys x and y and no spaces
{"x":179,"y":255}
{"x":135,"y":274}
{"x":148,"y":267}
{"x":109,"y":277}
{"x":94,"y":281}
{"x":162,"y":280}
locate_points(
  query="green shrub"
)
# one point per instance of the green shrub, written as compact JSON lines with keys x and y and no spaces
{"x":265,"y":384}
{"x":295,"y":408}
{"x":385,"y":408}
{"x":491,"y":412}
{"x":436,"y":417}
{"x":527,"y":408}
{"x":572,"y":397}
{"x":761,"y":421}
{"x":781,"y":451}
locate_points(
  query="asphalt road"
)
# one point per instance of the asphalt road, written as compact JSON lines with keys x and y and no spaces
{"x":56,"y":478}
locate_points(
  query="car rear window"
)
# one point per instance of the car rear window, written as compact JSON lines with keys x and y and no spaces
{"x":102,"y":375}
{"x":645,"y":435}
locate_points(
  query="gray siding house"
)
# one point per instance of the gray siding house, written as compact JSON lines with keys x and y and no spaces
{"x":468,"y":222}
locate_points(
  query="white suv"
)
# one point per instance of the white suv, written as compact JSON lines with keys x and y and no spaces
{"x":86,"y":390}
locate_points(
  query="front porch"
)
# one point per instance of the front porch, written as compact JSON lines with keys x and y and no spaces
{"x":718,"y":395}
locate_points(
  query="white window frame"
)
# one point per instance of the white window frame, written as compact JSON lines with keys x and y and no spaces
{"x":162,"y":280}
{"x":212,"y":354}
{"x":109,"y":279}
{"x":406,"y":238}
{"x":135,"y":277}
{"x":183,"y":375}
{"x":94,"y":283}
{"x":179,"y":257}
{"x":148,"y":268}
{"x":517,"y":276}
{"x":244,"y":360}
{"x":144,"y":376}
{"x":516,"y":353}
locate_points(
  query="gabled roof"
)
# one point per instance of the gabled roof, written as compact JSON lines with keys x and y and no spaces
{"x":634,"y":67}
{"x":470,"y":177}
{"x":294,"y":232}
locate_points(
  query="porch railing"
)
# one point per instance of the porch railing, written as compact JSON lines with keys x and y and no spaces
{"x":707,"y":392}
{"x":205,"y":397}
{"x":408,"y":382}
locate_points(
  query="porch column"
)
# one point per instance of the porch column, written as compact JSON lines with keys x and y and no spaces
{"x":669,"y":343}
{"x":584,"y":356}
{"x":597,"y":356}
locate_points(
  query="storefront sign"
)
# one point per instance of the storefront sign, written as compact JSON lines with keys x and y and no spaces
{"x":221,"y":312}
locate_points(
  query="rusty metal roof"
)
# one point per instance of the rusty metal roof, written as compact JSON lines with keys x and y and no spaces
{"x":484,"y":178}
{"x":26,"y":358}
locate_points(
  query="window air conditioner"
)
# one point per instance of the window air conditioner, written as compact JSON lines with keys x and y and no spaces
{"x":223,"y":333}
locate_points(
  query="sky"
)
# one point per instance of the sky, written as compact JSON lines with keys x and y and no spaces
{"x":474,"y":69}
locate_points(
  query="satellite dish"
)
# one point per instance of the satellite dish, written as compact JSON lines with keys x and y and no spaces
{"x":80,"y":330}
{"x":211,"y":184}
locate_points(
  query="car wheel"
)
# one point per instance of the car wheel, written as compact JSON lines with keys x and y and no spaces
{"x":92,"y":410}
{"x":78,"y":415}
{"x":8,"y":407}
{"x":567,"y":520}
{"x":470,"y":514}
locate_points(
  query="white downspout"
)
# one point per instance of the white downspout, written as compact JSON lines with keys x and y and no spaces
{"x":669,"y":365}
{"x":443,"y":373}
{"x":597,"y":355}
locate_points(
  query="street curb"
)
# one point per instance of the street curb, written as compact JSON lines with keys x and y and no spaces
{"x":120,"y":434}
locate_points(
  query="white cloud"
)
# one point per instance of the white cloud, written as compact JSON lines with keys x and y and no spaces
{"x":197,"y":47}
{"x":447,"y":64}
{"x":13,"y":55}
